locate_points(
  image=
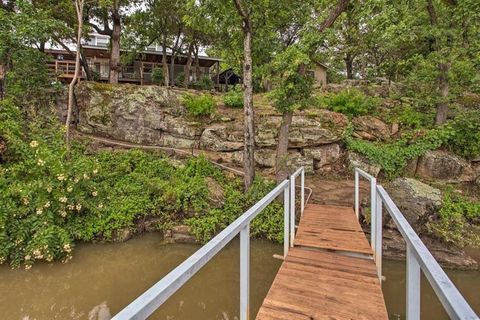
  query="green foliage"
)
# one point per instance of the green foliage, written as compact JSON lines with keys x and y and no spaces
{"x":458,"y":221}
{"x":351,"y":102}
{"x":204,"y":83}
{"x":465,"y":138}
{"x":411,"y":118}
{"x":180,"y":79}
{"x":293,"y":85}
{"x":199,"y":105}
{"x":393,"y":157}
{"x":234,"y":98}
{"x":157,"y":76}
{"x":268,"y":224}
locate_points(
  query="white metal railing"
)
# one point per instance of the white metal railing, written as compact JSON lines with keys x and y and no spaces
{"x":301,"y":172}
{"x":418,"y":256}
{"x":150,"y":300}
{"x":375,"y":217}
{"x":420,"y":259}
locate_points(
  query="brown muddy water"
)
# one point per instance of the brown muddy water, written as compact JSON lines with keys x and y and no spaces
{"x":103,"y":278}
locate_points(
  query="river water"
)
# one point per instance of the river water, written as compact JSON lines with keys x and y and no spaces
{"x":103,"y":278}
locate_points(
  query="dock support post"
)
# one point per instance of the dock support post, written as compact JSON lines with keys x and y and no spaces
{"x":373,"y":214}
{"x":302,"y":190}
{"x":357,"y":194}
{"x":292,"y":210}
{"x":378,"y":235}
{"x":286,"y":207}
{"x":413,"y":286}
{"x":245,"y":273}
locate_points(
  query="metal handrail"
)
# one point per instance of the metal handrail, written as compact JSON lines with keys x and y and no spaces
{"x":300,"y":171}
{"x":375,"y":218}
{"x":150,"y":300}
{"x":419,"y":259}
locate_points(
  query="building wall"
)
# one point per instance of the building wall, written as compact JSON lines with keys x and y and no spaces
{"x":320,"y":75}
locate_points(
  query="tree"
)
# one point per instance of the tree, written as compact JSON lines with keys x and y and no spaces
{"x":79,"y":6}
{"x":294,"y":89}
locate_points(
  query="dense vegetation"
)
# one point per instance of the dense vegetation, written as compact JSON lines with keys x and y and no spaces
{"x":50,"y":197}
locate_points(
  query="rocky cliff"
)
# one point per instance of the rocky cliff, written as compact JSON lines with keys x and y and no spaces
{"x":156,"y":116}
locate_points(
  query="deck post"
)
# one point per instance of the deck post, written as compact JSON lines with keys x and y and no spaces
{"x":413,"y":286}
{"x":378,"y":236}
{"x":286,"y":207}
{"x":292,"y":209}
{"x":373,"y":215}
{"x":245,"y":273}
{"x":302,"y":190}
{"x":357,"y":194}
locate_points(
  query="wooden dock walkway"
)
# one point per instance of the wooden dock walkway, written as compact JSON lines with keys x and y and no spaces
{"x":328,"y":274}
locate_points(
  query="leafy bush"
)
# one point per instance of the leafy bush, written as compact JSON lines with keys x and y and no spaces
{"x":199,"y":105}
{"x":157,"y":76}
{"x":411,"y":118}
{"x":351,"y":102}
{"x":234,"y":98}
{"x":465,"y":138}
{"x":204,"y":83}
{"x":393,"y":157}
{"x":457,"y":222}
{"x":267,"y":224}
{"x":180,"y":79}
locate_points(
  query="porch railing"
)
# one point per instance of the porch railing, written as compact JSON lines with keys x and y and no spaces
{"x":419,"y":258}
{"x":150,"y":300}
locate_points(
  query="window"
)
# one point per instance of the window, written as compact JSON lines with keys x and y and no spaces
{"x":102,"y":42}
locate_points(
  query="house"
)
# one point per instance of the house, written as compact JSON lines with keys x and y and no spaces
{"x":138,"y":71}
{"x":319,"y":74}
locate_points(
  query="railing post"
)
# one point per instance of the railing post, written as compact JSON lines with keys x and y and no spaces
{"x":245,"y":273}
{"x":413,"y":286}
{"x":357,"y":194}
{"x":286,"y":207}
{"x":292,"y":209}
{"x":302,"y":190}
{"x":373,"y":215}
{"x":378,"y":235}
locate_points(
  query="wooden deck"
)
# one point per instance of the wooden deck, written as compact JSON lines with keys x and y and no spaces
{"x":319,"y":278}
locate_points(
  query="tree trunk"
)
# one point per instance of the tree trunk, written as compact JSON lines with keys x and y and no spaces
{"x":164,"y":62}
{"x":443,"y":87}
{"x":188,"y":66}
{"x":79,"y":10}
{"x":249,"y":130}
{"x":197,"y":65}
{"x":349,"y":65}
{"x":115,"y":41}
{"x":281,"y":169}
{"x":86,"y":67}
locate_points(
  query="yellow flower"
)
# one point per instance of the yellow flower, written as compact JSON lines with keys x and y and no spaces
{"x":94,"y":193}
{"x":40,"y":162}
{"x":70,"y":207}
{"x":100,"y":206}
{"x":33,"y":144}
{"x":63,"y":199}
{"x":28,"y":257}
{"x":49,"y":189}
{"x":67,"y":248}
{"x":28,"y":267}
{"x":25,"y":201}
{"x":61,"y":177}
{"x":39,"y":211}
{"x":69,"y":189}
{"x":85,"y":176}
{"x":95,"y":171}
{"x":63,"y":213}
{"x":47,"y":204}
{"x":79,"y":207}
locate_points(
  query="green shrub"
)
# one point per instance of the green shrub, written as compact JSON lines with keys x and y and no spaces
{"x":411,"y":118}
{"x":199,"y":105}
{"x":465,"y":138}
{"x":157,"y":76}
{"x":204,"y":83}
{"x":234,"y":98}
{"x":393,"y":157}
{"x":457,"y":222}
{"x":180,"y":79}
{"x":351,"y":102}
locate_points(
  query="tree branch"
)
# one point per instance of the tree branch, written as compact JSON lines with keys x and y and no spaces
{"x":340,"y":7}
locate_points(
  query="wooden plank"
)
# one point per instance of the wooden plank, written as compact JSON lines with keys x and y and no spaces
{"x":331,"y":228}
{"x":324,"y":285}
